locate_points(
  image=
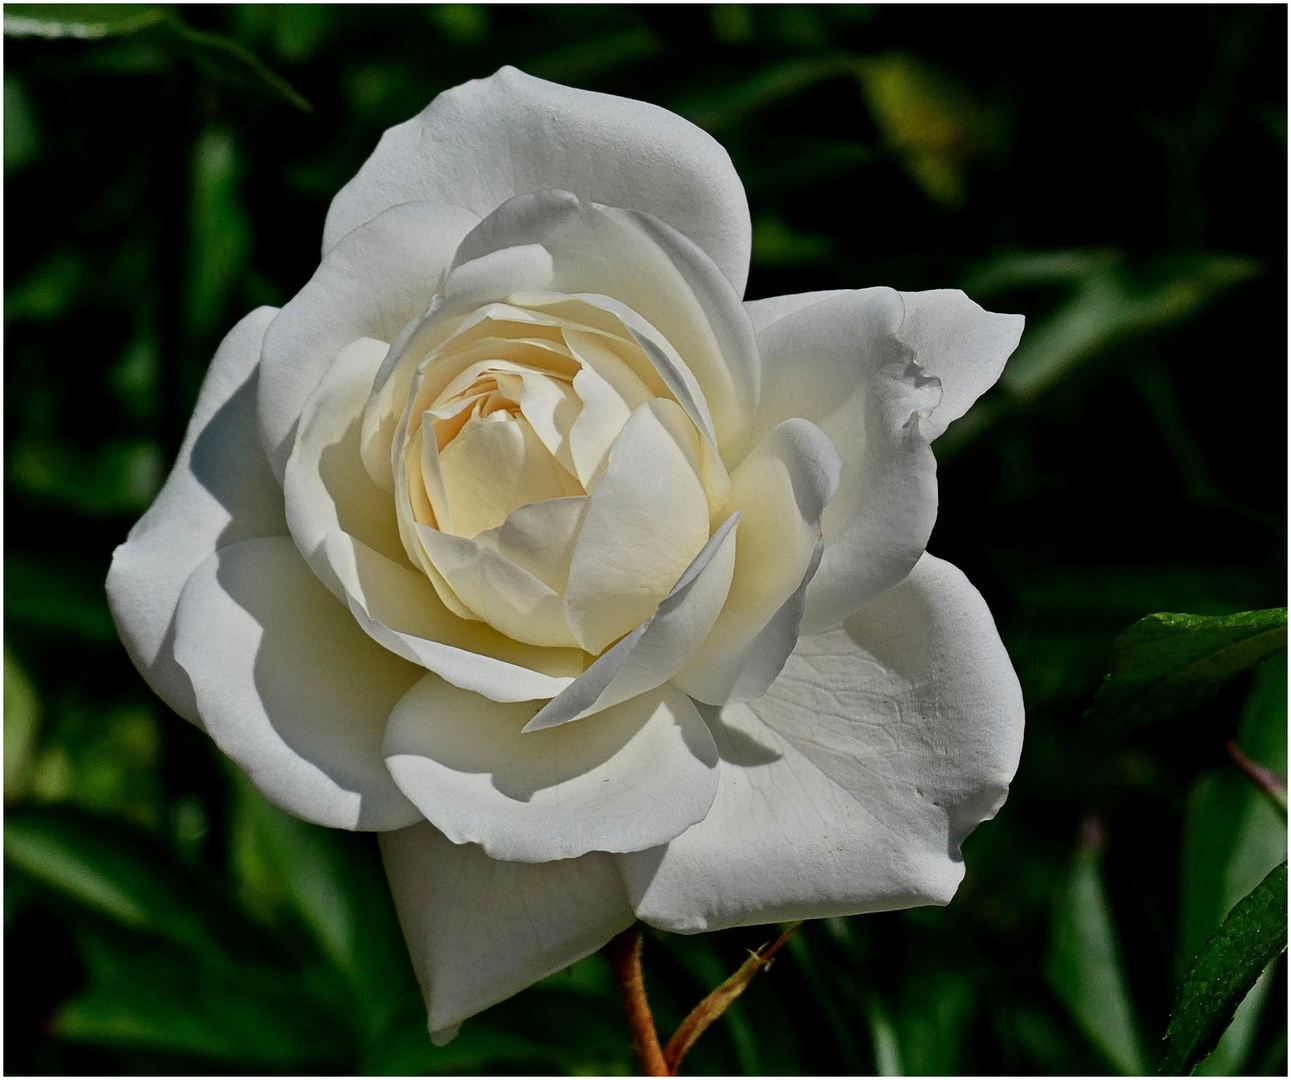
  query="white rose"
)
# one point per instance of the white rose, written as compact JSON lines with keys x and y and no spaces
{"x":518,"y":536}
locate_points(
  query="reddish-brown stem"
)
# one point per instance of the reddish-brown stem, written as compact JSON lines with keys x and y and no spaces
{"x":703,"y":1015}
{"x":624,"y":954}
{"x":1269,"y":782}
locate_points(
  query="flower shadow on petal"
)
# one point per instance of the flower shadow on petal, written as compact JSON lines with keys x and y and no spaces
{"x":521,"y":764}
{"x":735,"y":747}
{"x":291,"y":687}
{"x":227,"y":461}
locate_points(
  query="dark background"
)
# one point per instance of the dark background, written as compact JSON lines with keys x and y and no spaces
{"x":1117,"y":174}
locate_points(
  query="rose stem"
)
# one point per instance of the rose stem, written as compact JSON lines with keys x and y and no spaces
{"x":624,"y":954}
{"x":712,"y":1007}
{"x":1269,"y":782}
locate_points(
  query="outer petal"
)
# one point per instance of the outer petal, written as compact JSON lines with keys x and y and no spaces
{"x":480,"y":930}
{"x":368,"y":286}
{"x":220,"y":491}
{"x":962,"y":344}
{"x":479,"y":144}
{"x":624,"y":780}
{"x":953,"y":338}
{"x":841,"y":364}
{"x":851,"y":784}
{"x":290,"y":688}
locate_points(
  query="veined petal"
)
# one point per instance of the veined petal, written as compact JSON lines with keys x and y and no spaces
{"x":634,"y":776}
{"x":290,"y":688}
{"x":219,"y":491}
{"x":851,"y":784}
{"x":486,"y":141}
{"x":480,"y":930}
{"x":369,"y":285}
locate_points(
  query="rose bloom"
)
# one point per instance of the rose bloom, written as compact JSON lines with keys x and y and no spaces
{"x":518,"y":537}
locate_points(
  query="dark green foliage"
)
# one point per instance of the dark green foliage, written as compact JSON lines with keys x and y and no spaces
{"x":1167,"y":664}
{"x":1128,"y":196}
{"x":1253,"y":935}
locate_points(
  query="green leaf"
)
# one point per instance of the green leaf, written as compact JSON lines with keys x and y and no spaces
{"x":1085,"y":970}
{"x":338,"y":891}
{"x":734,"y":104}
{"x":21,"y":720}
{"x":21,"y":134}
{"x":1251,"y":937}
{"x":928,"y":120}
{"x":228,"y":61}
{"x":1232,"y":838}
{"x":141,"y":997}
{"x":82,"y":21}
{"x":1167,"y":664}
{"x":59,"y":596}
{"x":88,"y":860}
{"x":219,"y":56}
{"x":1108,"y":304}
{"x":220,"y":230}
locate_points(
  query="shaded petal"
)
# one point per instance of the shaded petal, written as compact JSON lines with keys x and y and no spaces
{"x":647,"y":519}
{"x":290,"y":688}
{"x":488,"y":140}
{"x":369,"y":285}
{"x":851,"y":784}
{"x":631,"y":777}
{"x":657,"y":649}
{"x":841,"y":364}
{"x":780,"y":490}
{"x":220,"y":491}
{"x":480,"y":930}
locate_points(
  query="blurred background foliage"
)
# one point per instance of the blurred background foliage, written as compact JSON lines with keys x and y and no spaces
{"x":1117,"y":174}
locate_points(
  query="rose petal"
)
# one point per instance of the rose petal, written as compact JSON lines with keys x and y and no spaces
{"x":631,"y":777}
{"x":653,"y":270}
{"x":762,"y":313}
{"x":344,"y":525}
{"x":953,"y":338}
{"x":781,"y":490}
{"x":484,"y":142}
{"x":841,"y":364}
{"x":851,"y":784}
{"x":962,"y":344}
{"x":290,"y":688}
{"x":657,"y":649}
{"x":502,"y":593}
{"x":397,"y":607}
{"x":480,"y":930}
{"x":220,"y":491}
{"x":370,"y":284}
{"x":647,"y":519}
